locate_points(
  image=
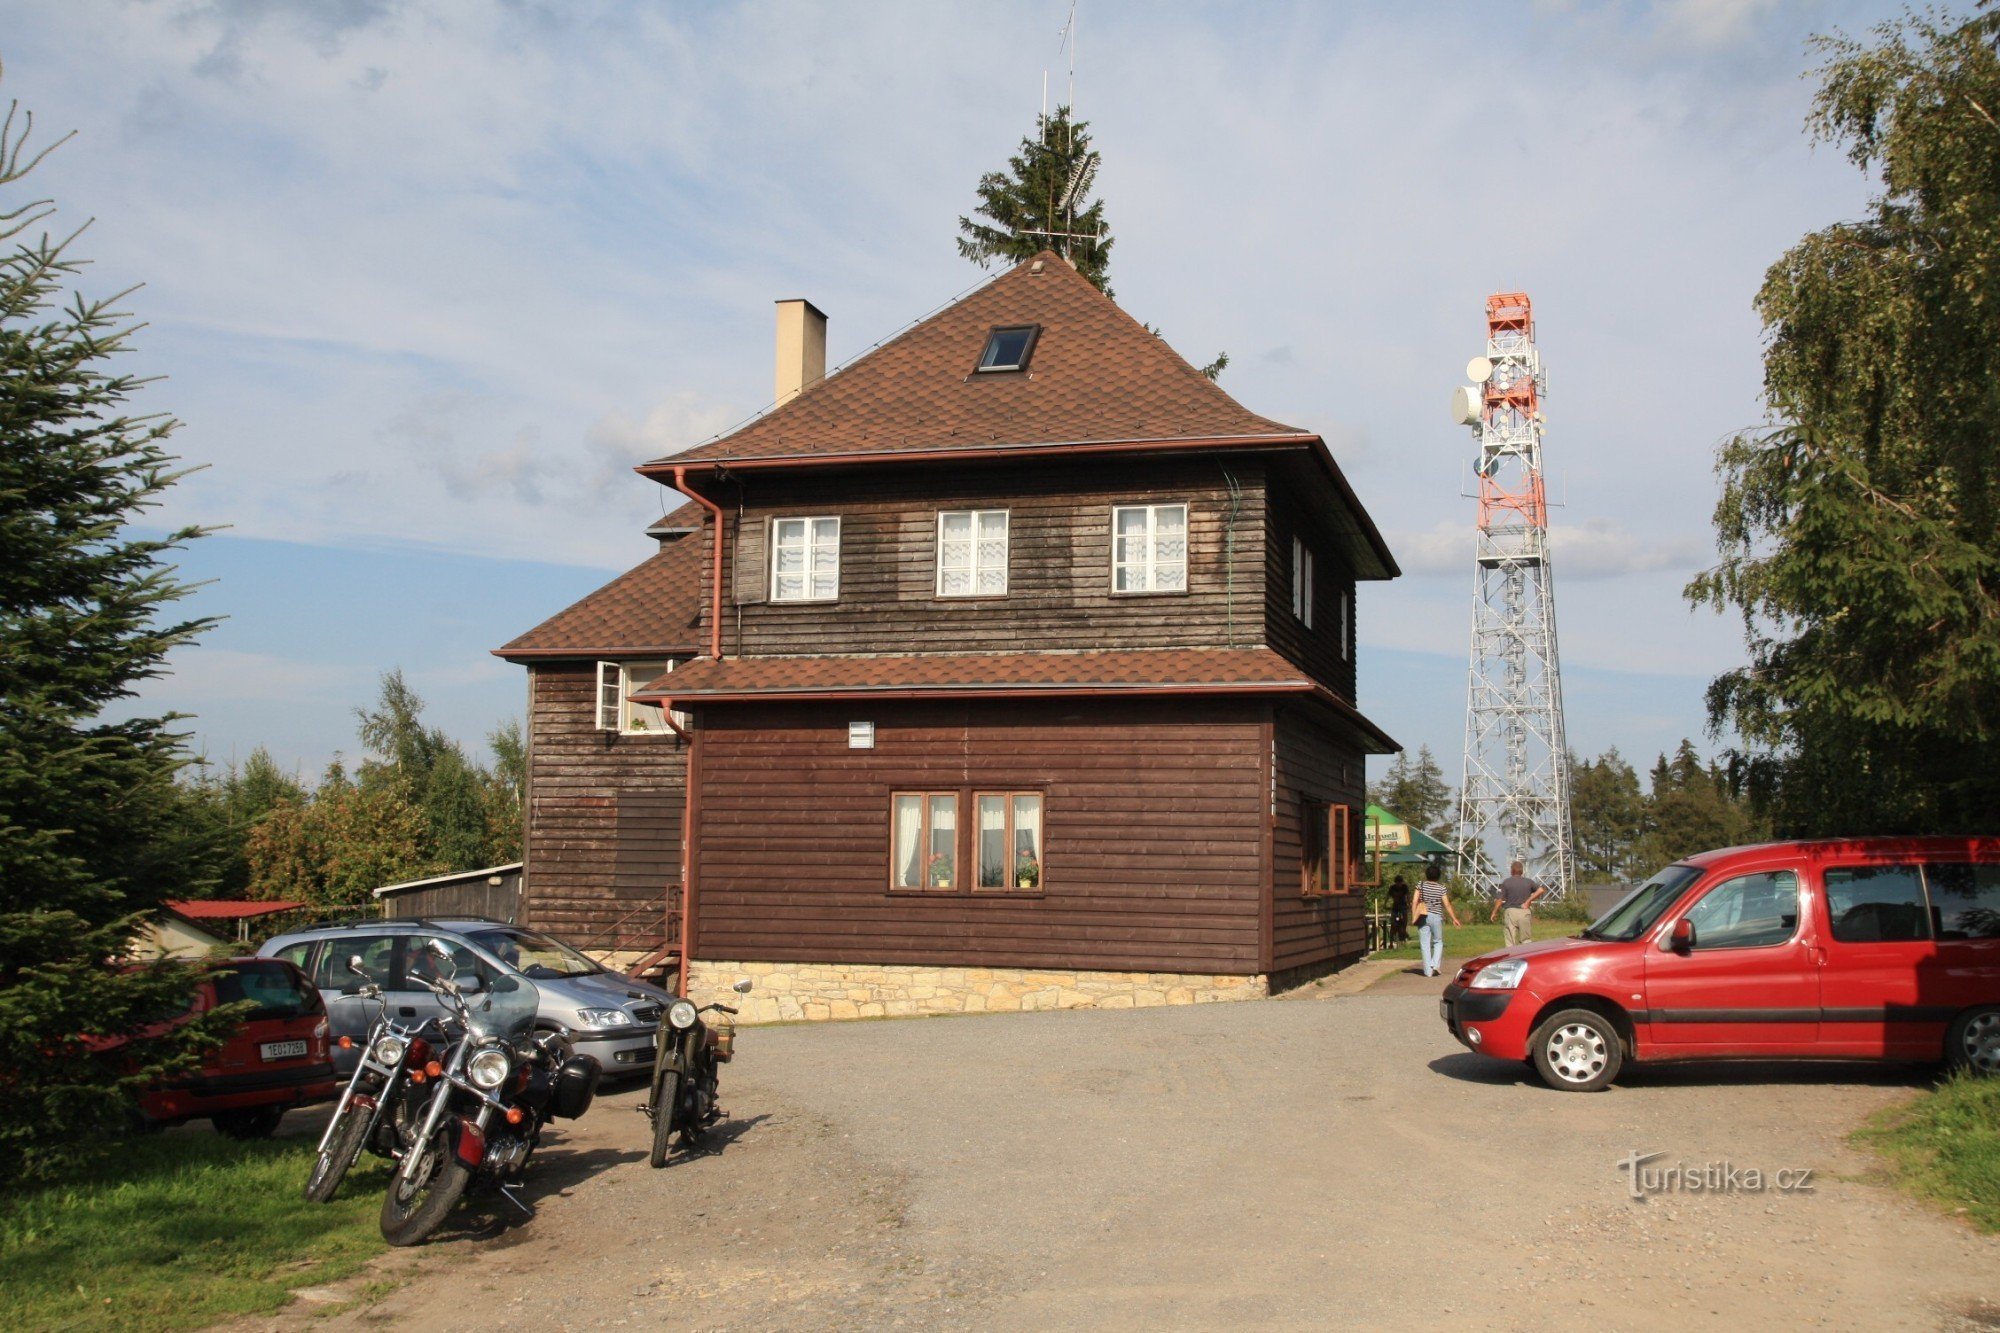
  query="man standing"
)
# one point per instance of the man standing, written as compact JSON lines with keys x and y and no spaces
{"x":1399,"y":912}
{"x":1517,"y":893}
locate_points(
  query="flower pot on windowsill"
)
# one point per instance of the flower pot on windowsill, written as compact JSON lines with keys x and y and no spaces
{"x":1024,"y":882}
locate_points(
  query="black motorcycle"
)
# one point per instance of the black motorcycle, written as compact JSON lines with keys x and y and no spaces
{"x":685,"y":1064}
{"x":489,"y":1100}
{"x":383,"y":1098}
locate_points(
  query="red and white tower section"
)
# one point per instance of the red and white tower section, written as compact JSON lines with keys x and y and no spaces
{"x":1514,"y":799}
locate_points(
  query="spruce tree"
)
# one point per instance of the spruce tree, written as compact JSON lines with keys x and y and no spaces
{"x":1044,"y":190}
{"x":88,"y":805}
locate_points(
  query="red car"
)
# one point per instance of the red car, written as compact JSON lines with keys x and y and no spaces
{"x":277,"y":1059}
{"x":1871,"y":948}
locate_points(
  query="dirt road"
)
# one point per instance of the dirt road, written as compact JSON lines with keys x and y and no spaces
{"x":1267,"y":1165}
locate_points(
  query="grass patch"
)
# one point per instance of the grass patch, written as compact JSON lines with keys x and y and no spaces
{"x":181,"y":1230}
{"x":1945,"y":1146}
{"x":1478,"y":936}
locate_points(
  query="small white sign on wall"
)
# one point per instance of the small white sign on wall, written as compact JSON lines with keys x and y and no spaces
{"x":861,"y":735}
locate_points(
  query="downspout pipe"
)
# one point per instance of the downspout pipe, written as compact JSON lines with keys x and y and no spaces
{"x":715,"y":583}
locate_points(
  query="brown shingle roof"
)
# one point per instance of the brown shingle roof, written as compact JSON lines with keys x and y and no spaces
{"x":1096,"y":374}
{"x":653,"y":608}
{"x":1002,"y":675}
{"x":1228,"y":668}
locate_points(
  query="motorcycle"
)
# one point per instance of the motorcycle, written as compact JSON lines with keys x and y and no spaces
{"x":490,"y":1097}
{"x":381,"y":1101}
{"x":685,"y":1065}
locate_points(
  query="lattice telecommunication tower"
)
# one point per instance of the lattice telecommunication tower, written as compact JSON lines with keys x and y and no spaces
{"x":1514,"y":801}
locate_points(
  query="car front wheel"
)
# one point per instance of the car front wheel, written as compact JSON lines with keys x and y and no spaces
{"x":1577,"y":1050}
{"x":1973,"y":1043}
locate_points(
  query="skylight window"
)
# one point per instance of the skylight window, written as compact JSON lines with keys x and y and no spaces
{"x":1009,"y":348}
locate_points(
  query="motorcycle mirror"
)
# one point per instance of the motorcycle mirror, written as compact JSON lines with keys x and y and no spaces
{"x":742,"y":987}
{"x":355,"y":966}
{"x":441,"y":951}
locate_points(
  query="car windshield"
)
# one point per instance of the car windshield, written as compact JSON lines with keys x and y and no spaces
{"x":1638,"y":910}
{"x":504,"y":1009}
{"x":273,"y":989}
{"x":534,"y":954}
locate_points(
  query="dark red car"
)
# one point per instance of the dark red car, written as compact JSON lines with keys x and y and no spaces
{"x":278,"y":1058}
{"x":1871,"y":948}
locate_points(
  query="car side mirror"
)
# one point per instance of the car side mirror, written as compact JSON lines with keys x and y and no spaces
{"x":1682,"y":939}
{"x":742,"y":987}
{"x":469,"y":983}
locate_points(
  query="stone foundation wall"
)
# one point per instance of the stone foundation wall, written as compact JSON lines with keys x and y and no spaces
{"x":821,"y":991}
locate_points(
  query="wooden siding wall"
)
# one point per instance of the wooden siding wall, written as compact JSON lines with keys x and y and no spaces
{"x":1154,"y":834}
{"x":604,"y":811}
{"x":1316,"y":649}
{"x":1059,"y":560}
{"x":500,"y":901}
{"x":1310,"y":761}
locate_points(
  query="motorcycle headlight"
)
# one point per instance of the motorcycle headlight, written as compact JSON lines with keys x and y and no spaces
{"x":682,"y":1014}
{"x":489,"y":1068}
{"x":1505,"y":975}
{"x":388,"y":1052}
{"x":604,"y":1018}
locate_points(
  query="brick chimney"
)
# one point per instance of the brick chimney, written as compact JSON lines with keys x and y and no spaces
{"x":801,"y":349}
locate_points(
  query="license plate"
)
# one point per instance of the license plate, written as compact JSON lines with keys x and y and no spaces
{"x":282,"y":1050}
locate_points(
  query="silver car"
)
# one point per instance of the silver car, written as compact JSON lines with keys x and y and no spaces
{"x":604,"y":1013}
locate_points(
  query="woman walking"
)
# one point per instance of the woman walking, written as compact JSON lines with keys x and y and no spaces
{"x":1433,"y":905}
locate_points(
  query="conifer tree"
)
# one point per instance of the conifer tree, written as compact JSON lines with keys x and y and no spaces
{"x":87,"y":805}
{"x":1044,"y":190}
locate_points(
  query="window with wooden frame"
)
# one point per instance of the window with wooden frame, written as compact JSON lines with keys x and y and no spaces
{"x":1314,"y":825}
{"x":972,"y":553}
{"x":805,"y":559}
{"x":1008,"y":840}
{"x":1333,"y":858}
{"x":616,"y":682}
{"x":1302,"y":582}
{"x":1149,"y":548}
{"x":923,"y":841}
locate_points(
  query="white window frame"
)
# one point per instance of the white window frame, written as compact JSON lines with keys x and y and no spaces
{"x":610,"y":695}
{"x":1150,"y":565}
{"x":1302,"y":582}
{"x":616,"y":682}
{"x":811,"y":524}
{"x":974,"y":569}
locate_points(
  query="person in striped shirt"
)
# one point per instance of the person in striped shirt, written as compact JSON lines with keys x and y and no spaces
{"x":1434,"y":905}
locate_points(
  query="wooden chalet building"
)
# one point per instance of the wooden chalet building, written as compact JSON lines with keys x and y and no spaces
{"x":1010,"y":667}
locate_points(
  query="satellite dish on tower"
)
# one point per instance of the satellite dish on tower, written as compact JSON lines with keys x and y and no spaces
{"x":1467,"y":402}
{"x":1479,"y":370}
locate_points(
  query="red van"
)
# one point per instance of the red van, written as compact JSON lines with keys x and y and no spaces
{"x":278,"y":1058}
{"x":1870,"y":948}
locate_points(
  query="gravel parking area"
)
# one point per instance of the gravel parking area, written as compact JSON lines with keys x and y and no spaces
{"x":1274,"y":1164}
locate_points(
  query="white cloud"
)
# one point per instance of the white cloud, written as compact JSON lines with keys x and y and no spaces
{"x":198,"y":677}
{"x":440,"y":274}
{"x":1594,"y":549}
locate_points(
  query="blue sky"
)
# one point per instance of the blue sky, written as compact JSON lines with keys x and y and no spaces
{"x":426,"y":280}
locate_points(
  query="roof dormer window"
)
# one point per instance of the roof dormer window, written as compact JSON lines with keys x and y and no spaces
{"x":1008,"y":348}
